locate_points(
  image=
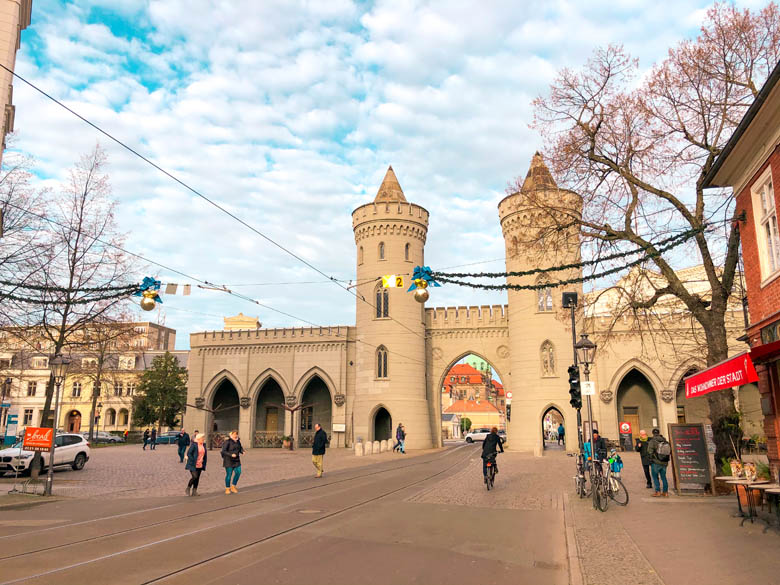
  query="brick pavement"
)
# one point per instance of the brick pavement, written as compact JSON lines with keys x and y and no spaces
{"x":127,"y":471}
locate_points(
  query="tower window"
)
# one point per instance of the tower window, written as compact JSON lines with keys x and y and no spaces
{"x":382,"y":302}
{"x":381,"y":362}
{"x":360,"y":255}
{"x":381,"y":250}
{"x":544,"y":296}
{"x":406,"y":252}
{"x":548,"y":359}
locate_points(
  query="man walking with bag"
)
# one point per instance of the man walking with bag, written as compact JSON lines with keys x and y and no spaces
{"x":660,"y":451}
{"x":318,"y":449}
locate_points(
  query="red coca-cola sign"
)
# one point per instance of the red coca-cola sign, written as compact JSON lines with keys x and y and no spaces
{"x":735,"y":371}
{"x":37,"y":439}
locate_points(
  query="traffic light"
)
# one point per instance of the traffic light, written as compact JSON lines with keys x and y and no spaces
{"x":574,"y":387}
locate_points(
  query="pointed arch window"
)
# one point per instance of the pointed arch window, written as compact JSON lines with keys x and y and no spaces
{"x":360,"y":255}
{"x":381,"y":362}
{"x":407,"y":251}
{"x":547,"y":356}
{"x":382,"y":302}
{"x":544,"y":299}
{"x":381,"y":250}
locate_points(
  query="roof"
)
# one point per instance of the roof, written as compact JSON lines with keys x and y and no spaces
{"x":390,"y":189}
{"x":538,"y":176}
{"x":448,"y":417}
{"x":466,"y":406}
{"x":721,"y":173}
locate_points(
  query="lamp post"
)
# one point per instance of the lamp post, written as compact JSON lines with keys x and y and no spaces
{"x":4,"y":409}
{"x":59,"y":369}
{"x":586,"y":350}
{"x":97,"y":416}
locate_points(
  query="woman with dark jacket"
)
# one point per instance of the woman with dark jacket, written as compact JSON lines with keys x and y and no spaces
{"x":196,"y":463}
{"x":641,"y":446}
{"x":231,"y":460}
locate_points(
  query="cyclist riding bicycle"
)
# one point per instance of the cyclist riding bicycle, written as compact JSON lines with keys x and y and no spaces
{"x":489,"y":446}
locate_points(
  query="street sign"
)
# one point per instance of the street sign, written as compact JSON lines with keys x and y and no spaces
{"x":392,"y":281}
{"x":625,"y":427}
{"x":509,"y":395}
{"x":588,"y":388}
{"x":38,"y":439}
{"x":11,"y":424}
{"x":5,"y":405}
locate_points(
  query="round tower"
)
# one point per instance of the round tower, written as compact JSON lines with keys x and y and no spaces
{"x":390,"y":384}
{"x":536,"y":222}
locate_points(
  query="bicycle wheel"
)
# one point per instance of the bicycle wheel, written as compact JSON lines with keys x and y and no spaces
{"x":490,"y":476}
{"x":618,"y":492}
{"x":595,"y":492}
{"x":603,"y":497}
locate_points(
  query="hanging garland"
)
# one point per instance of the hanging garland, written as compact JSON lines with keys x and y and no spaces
{"x":128,"y":288}
{"x":80,"y":301}
{"x":675,"y":240}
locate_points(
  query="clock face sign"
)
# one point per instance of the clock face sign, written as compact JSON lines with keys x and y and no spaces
{"x":625,"y":427}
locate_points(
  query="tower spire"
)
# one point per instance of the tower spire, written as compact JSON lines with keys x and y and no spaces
{"x":390,"y":190}
{"x":538,"y":176}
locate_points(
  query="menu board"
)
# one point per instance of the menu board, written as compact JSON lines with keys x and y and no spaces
{"x":690,"y":458}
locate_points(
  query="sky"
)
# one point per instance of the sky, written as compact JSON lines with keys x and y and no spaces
{"x":288,"y":114}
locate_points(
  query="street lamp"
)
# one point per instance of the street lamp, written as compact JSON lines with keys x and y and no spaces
{"x":99,"y":408}
{"x":586,"y":351}
{"x":3,"y":405}
{"x":59,"y":369}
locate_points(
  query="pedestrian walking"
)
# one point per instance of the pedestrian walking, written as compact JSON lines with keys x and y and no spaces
{"x":561,"y":435}
{"x":146,"y":438}
{"x":125,"y":434}
{"x":660,"y":452}
{"x":183,"y":441}
{"x":196,"y":463}
{"x":641,"y":447}
{"x":153,"y":439}
{"x":398,"y":435}
{"x":402,"y":446}
{"x":318,"y":449}
{"x":231,"y":460}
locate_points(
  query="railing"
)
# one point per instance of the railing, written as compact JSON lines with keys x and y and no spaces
{"x":268,"y":439}
{"x":306,"y":438}
{"x":216,"y":440}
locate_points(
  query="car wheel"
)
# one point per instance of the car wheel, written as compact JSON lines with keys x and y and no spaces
{"x":79,"y":461}
{"x":469,"y":440}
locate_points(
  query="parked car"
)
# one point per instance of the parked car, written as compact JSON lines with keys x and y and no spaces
{"x":103,"y":437}
{"x":69,"y":449}
{"x":481,"y":433}
{"x":167,"y":438}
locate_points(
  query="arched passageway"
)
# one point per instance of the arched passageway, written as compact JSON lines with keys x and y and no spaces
{"x":636,"y":403}
{"x":552,"y":420}
{"x":110,"y":418}
{"x":690,"y":410}
{"x":124,"y":417}
{"x":269,"y":415}
{"x":383,"y":424}
{"x":224,"y":418}
{"x":317,"y":410}
{"x":74,"y":421}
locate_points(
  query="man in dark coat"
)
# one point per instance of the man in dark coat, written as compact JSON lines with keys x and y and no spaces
{"x":146,"y":438}
{"x":318,"y":449}
{"x":641,"y":446}
{"x":183,"y":441}
{"x":153,"y":439}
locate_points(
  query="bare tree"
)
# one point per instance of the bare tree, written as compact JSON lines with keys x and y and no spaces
{"x":637,"y":151}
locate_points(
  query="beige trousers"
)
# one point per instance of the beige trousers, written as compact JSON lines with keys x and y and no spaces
{"x":317,"y":461}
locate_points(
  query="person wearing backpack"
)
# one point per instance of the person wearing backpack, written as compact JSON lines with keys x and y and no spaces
{"x":660,"y":451}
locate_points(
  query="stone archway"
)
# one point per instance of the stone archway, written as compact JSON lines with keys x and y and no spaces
{"x":382,"y":424}
{"x":552,"y":418}
{"x":317,"y":409}
{"x":74,"y":421}
{"x":225,"y":412}
{"x":690,"y":410}
{"x":636,"y":403}
{"x":269,"y":415}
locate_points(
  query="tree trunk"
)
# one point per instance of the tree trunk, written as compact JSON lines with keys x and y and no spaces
{"x":93,"y":408}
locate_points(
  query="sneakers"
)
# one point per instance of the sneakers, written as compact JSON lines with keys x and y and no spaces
{"x":666,"y":494}
{"x":656,"y":494}
{"x":234,"y":489}
{"x":187,"y":491}
{"x":227,"y":491}
{"x":194,"y":491}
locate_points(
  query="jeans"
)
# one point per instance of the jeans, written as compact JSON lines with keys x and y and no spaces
{"x":195,"y":478}
{"x":154,"y":444}
{"x":235,"y":472}
{"x":659,"y":470}
{"x":646,"y":469}
{"x":401,"y":446}
{"x":146,"y":442}
{"x":561,"y":439}
{"x":484,"y":464}
{"x":317,"y":462}
{"x":182,"y":450}
{"x":397,"y":444}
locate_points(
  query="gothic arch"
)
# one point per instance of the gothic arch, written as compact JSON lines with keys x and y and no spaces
{"x":642,"y":368}
{"x":682,"y":369}
{"x":268,"y":373}
{"x":449,"y":364}
{"x":211,"y":387}
{"x":300,"y":387}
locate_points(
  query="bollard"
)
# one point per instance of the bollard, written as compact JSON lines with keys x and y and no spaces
{"x":358,"y":449}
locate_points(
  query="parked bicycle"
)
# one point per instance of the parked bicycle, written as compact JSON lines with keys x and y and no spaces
{"x":580,"y":483}
{"x":606,"y":482}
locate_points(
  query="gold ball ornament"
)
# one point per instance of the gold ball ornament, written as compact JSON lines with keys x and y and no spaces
{"x":421,"y":295}
{"x":147,"y":303}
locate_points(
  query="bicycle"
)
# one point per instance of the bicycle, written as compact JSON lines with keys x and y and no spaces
{"x":580,"y":484}
{"x":616,"y":491}
{"x":599,"y":487}
{"x":490,"y":463}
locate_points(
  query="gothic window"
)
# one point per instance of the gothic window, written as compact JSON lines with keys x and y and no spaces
{"x":544,"y":296}
{"x":381,"y":250}
{"x":381,"y":362}
{"x":360,"y":255}
{"x":307,"y":418}
{"x":548,"y":359}
{"x":406,"y":252}
{"x":382,"y":302}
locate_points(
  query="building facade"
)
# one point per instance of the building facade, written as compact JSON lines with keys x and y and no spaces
{"x":359,"y":381}
{"x":750,"y":164}
{"x":14,"y":18}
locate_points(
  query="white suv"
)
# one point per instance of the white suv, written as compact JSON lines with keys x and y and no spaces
{"x":480,"y":434}
{"x":69,"y":449}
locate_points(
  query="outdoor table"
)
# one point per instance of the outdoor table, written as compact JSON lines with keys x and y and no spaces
{"x":731,"y":479}
{"x":774,"y":490}
{"x":749,"y":486}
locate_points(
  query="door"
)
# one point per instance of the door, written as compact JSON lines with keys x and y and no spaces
{"x":633,"y":420}
{"x":272,"y":418}
{"x":74,"y":422}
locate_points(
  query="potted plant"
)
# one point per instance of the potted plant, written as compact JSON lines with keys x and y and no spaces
{"x":287,"y":442}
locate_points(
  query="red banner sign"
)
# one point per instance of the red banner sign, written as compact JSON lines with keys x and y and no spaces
{"x":37,"y":439}
{"x":734,"y":371}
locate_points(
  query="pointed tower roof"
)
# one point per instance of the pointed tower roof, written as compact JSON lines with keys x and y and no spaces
{"x":538,"y":176}
{"x":390,"y":190}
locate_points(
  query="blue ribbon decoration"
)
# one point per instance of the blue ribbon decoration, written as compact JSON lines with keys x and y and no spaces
{"x":149,"y":283}
{"x":422,"y":273}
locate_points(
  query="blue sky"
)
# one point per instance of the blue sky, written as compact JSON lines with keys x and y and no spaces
{"x":289,"y":113}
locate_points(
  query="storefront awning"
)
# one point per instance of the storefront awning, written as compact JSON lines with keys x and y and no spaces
{"x":734,"y":371}
{"x":766,"y":352}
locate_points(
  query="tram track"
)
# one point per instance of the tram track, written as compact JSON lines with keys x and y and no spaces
{"x":220,"y":509}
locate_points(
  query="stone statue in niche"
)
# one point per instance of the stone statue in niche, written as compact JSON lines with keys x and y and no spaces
{"x":548,"y":359}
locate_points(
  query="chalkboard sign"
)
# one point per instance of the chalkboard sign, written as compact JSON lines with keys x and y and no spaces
{"x":690,"y":458}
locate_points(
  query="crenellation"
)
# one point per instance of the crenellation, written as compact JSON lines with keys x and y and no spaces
{"x":472,"y":316}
